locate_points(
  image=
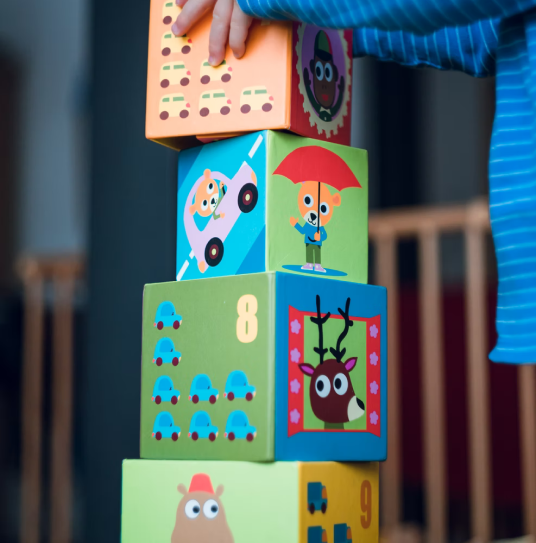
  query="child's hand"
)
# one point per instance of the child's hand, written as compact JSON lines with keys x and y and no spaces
{"x":293,"y":221}
{"x":229,"y":23}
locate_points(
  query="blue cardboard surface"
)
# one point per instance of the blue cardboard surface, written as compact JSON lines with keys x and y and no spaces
{"x":300,"y":434}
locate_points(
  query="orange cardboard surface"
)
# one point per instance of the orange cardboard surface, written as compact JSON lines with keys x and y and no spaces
{"x":293,"y":76}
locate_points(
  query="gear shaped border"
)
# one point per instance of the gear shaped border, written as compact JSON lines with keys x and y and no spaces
{"x":314,"y":119}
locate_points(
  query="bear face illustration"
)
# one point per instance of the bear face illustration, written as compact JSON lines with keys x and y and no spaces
{"x":311,"y":209}
{"x":200,"y":515}
{"x":207,"y":196}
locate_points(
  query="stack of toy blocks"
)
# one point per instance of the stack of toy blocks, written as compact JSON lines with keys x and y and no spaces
{"x":264,"y":365}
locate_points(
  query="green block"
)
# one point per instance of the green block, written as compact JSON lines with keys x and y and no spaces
{"x":245,"y":502}
{"x":230,"y":370}
{"x":271,"y":201}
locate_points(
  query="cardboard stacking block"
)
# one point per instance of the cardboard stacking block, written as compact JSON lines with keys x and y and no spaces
{"x":262,"y":367}
{"x":293,"y":76}
{"x":244,"y":502}
{"x":270,"y":201}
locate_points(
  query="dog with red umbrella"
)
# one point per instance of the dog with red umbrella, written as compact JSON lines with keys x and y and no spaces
{"x":316,"y":168}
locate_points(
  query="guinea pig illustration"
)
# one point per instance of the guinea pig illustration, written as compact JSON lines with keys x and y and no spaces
{"x":200,"y":515}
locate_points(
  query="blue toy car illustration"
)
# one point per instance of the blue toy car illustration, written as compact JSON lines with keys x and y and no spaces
{"x":237,"y":386}
{"x":164,"y":391}
{"x":317,"y":497}
{"x":201,"y":427}
{"x":238,"y":427}
{"x":165,"y":353}
{"x":167,"y":316}
{"x":342,"y":533}
{"x":164,"y":427}
{"x":202,"y":391}
{"x":316,"y":534}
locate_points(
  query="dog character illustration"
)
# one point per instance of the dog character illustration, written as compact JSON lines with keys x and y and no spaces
{"x":331,"y":392}
{"x":200,"y":514}
{"x":208,"y":197}
{"x":316,"y":205}
{"x":326,"y":80}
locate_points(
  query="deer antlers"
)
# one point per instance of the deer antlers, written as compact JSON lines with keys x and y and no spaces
{"x":337,"y":353}
{"x":319,"y":320}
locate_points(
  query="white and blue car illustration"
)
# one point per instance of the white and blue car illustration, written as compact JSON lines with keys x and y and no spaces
{"x":167,"y":316}
{"x":202,"y":391}
{"x":165,"y":353}
{"x":201,"y":427}
{"x":238,"y":427}
{"x":164,"y":427}
{"x":237,"y":386}
{"x":164,"y":391}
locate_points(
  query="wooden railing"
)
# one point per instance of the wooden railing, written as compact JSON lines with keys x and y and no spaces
{"x":426,"y":225}
{"x":61,"y":274}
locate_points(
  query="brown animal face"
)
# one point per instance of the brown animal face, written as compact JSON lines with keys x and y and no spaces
{"x":206,"y":196}
{"x":308,"y":203}
{"x":325,"y":76}
{"x":331,"y":392}
{"x":201,"y":518}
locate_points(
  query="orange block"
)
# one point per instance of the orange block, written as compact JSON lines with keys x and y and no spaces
{"x":293,"y":76}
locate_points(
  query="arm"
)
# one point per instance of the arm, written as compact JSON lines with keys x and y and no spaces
{"x":299,"y":228}
{"x":418,"y":16}
{"x":470,"y":49}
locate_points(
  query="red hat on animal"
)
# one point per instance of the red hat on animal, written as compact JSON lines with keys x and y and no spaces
{"x":201,"y":483}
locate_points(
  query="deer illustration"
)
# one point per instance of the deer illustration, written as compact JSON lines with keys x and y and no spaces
{"x":331,"y":392}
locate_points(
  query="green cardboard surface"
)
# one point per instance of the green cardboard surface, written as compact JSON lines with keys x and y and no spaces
{"x":209,"y":345}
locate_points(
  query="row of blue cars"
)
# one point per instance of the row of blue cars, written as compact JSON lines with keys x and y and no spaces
{"x":237,"y":386}
{"x":342,"y":533}
{"x":201,"y":427}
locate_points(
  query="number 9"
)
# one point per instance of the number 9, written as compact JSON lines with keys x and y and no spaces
{"x":366,"y":504}
{"x":247,"y":324}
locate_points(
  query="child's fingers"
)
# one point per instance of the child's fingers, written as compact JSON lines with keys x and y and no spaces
{"x":240,"y":23}
{"x":193,"y":11}
{"x":219,"y":31}
{"x":180,"y":3}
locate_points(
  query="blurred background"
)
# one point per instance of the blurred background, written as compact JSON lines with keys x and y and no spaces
{"x":87,"y":217}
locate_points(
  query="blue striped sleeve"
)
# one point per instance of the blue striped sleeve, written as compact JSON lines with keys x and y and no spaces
{"x":470,"y":49}
{"x":417,"y":16}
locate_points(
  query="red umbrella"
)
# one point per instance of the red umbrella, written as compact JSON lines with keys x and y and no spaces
{"x":315,"y":163}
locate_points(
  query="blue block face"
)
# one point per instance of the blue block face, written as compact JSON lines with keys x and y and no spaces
{"x":222,"y":208}
{"x":335,"y":405}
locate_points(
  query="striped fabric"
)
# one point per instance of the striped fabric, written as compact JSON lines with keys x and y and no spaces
{"x":479,"y":37}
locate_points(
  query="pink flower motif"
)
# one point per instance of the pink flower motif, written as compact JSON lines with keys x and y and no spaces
{"x":373,"y":418}
{"x":373,"y":331}
{"x":295,"y":326}
{"x":374,"y":387}
{"x":295,"y":386}
{"x":373,"y":359}
{"x":295,"y":416}
{"x":295,"y":355}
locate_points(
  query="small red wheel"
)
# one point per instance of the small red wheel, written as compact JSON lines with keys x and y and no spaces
{"x":174,"y":436}
{"x":249,"y":437}
{"x":174,"y":400}
{"x":175,"y":361}
{"x":158,"y":436}
{"x":212,"y":436}
{"x":157,"y":400}
{"x":176,"y":325}
{"x":212,"y":399}
{"x":160,"y":325}
{"x":249,"y":396}
{"x":159,"y":361}
{"x":195,"y":398}
{"x":195,"y":436}
{"x":230,"y":396}
{"x":231,"y":436}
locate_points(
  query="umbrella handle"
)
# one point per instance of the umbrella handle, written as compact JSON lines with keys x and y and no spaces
{"x":318,"y":210}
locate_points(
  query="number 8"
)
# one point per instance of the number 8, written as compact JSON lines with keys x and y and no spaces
{"x":247,"y":325}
